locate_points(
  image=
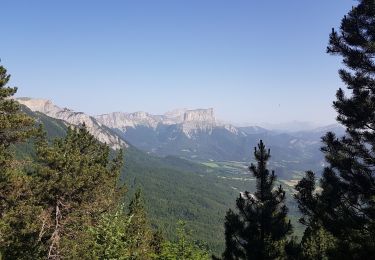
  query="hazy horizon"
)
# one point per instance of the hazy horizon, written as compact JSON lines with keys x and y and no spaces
{"x":251,"y":62}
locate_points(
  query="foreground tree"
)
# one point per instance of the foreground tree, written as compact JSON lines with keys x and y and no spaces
{"x":15,"y":127}
{"x":259,"y":230}
{"x":139,"y":229}
{"x":346,"y":205}
{"x":74,"y":183}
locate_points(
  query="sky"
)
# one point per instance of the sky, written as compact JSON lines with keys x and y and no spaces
{"x":252,"y":61}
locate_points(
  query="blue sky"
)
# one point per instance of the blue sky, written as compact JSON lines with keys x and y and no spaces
{"x":252,"y":61}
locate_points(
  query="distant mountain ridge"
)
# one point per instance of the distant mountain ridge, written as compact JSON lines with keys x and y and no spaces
{"x":198,"y":135}
{"x":190,"y":121}
{"x":102,"y":133}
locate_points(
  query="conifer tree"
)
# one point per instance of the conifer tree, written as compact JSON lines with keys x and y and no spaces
{"x":139,"y":229}
{"x":15,"y":127}
{"x":259,"y":230}
{"x":74,"y":183}
{"x":346,"y":205}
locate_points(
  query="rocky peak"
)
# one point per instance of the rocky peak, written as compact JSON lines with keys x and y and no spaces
{"x":139,"y":115}
{"x":113,"y":120}
{"x":198,"y":121}
{"x":39,"y":105}
{"x":122,"y":120}
{"x":174,"y":117}
{"x":176,"y":113}
{"x":200,"y":115}
{"x":74,"y":118}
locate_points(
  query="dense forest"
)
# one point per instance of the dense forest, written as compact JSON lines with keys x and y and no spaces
{"x":63,"y":194}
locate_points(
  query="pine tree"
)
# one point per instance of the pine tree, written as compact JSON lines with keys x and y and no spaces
{"x":74,"y":183}
{"x":346,"y":205}
{"x":15,"y":127}
{"x":260,"y":228}
{"x":139,"y":229}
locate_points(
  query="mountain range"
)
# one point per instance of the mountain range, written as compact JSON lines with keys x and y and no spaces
{"x":193,"y":134}
{"x":198,"y":135}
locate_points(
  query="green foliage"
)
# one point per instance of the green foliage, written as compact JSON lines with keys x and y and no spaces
{"x":110,"y":239}
{"x":259,"y":230}
{"x":173,"y":191}
{"x":121,"y":235}
{"x":15,"y":127}
{"x":74,"y":182}
{"x":317,"y":243}
{"x":139,"y":229}
{"x":67,"y":189}
{"x":184,"y":248}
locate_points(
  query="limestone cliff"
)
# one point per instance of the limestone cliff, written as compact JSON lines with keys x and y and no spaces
{"x":97,"y":129}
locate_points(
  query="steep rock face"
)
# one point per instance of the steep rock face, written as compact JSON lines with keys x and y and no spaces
{"x":198,"y":120}
{"x":196,"y":134}
{"x":189,"y":122}
{"x":100,"y":132}
{"x":174,"y":117}
{"x":121,"y":120}
{"x":200,"y":115}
